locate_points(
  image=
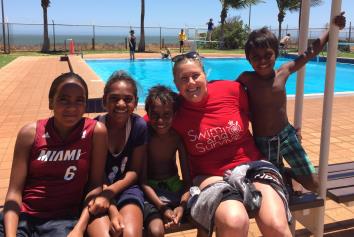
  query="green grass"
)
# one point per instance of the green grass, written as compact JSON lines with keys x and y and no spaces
{"x":7,"y":58}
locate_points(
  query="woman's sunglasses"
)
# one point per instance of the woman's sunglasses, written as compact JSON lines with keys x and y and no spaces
{"x":191,"y":55}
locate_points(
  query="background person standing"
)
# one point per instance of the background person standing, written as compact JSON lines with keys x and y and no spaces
{"x":210,"y":28}
{"x":132,"y":45}
{"x":181,"y":37}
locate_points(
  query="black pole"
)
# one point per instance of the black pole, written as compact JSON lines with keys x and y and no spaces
{"x":8,"y":38}
{"x":54,"y":35}
{"x":3,"y":25}
{"x":93,"y":37}
{"x":249,"y":18}
{"x":350,"y":33}
{"x":160,"y":39}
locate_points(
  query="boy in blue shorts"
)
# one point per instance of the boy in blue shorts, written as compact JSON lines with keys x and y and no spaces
{"x":274,"y":135}
{"x":166,"y":193}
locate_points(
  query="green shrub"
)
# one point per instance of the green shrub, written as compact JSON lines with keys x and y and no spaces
{"x":235,"y":33}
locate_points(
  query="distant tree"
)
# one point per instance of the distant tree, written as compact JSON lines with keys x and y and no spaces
{"x":45,"y":47}
{"x":291,"y":5}
{"x":225,"y":6}
{"x":235,"y":33}
{"x":141,"y":47}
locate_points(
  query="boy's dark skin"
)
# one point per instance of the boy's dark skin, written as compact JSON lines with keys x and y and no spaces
{"x":267,"y":94}
{"x":161,"y":161}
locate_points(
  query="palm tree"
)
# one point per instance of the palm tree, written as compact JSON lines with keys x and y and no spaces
{"x":291,"y":5}
{"x":141,"y":47}
{"x":225,"y":6}
{"x":283,"y":6}
{"x":45,"y":47}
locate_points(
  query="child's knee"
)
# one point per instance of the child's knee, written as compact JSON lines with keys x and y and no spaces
{"x":131,"y":231}
{"x":156,"y":229}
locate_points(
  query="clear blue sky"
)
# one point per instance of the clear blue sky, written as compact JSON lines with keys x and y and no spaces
{"x":167,"y":13}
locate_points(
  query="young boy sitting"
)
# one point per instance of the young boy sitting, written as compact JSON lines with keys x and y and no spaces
{"x":273,"y":133}
{"x":166,"y":194}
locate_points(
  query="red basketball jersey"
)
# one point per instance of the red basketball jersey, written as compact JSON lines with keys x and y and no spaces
{"x":58,"y":170}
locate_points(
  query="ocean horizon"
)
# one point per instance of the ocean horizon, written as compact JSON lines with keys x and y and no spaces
{"x":36,"y":39}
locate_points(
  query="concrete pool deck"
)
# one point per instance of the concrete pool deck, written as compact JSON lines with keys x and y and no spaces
{"x":24,"y":85}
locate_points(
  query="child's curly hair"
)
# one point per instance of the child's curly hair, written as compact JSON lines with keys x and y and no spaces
{"x":262,"y":38}
{"x":162,"y":93}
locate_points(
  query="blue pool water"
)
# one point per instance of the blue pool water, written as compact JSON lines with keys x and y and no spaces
{"x":149,"y":72}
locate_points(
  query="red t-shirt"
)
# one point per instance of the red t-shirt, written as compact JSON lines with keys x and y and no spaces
{"x":215,"y":131}
{"x":58,"y":170}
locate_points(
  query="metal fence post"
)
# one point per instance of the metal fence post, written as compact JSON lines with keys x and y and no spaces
{"x":93,"y":37}
{"x":3,"y":26}
{"x":160,"y":39}
{"x":350,"y":32}
{"x":8,"y":38}
{"x":53,"y":34}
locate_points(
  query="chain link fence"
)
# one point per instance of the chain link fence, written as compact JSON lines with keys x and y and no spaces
{"x":29,"y":37}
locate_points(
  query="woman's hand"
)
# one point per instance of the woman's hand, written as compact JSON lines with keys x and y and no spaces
{"x":99,"y":205}
{"x":117,"y":224}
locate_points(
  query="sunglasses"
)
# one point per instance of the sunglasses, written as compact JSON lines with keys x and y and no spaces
{"x":191,"y":55}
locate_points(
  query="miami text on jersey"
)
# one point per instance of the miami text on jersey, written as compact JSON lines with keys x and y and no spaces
{"x":59,"y":155}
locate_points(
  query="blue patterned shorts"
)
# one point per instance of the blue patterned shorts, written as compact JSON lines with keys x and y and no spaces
{"x":286,"y":145}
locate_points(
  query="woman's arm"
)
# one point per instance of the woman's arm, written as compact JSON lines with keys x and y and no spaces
{"x":80,"y":227}
{"x":13,"y":200}
{"x":95,"y":202}
{"x":117,"y":221}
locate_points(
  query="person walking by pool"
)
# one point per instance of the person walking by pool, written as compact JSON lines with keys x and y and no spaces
{"x":274,"y":135}
{"x":58,"y":162}
{"x":132,"y":45}
{"x":166,"y":194}
{"x":225,"y":164}
{"x":182,"y":37}
{"x":127,"y":138}
{"x":210,"y":28}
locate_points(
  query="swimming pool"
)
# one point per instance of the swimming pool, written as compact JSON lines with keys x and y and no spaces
{"x":149,"y":72}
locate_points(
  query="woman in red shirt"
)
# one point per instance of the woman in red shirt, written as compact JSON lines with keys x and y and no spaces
{"x":213,"y":121}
